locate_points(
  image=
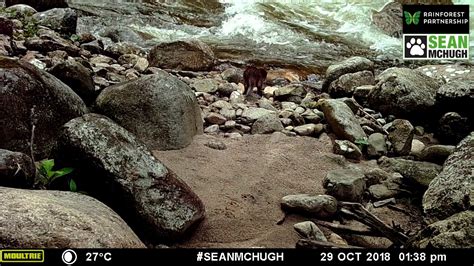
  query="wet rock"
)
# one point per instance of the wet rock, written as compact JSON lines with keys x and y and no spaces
{"x":421,"y":173}
{"x":346,"y":184}
{"x":253,"y":113}
{"x":350,"y":65}
{"x":400,"y":134}
{"x":342,"y":121}
{"x":159,"y":109}
{"x":77,"y":77}
{"x":233,"y":74}
{"x":121,"y":34}
{"x":60,"y":220}
{"x":215,"y":118}
{"x":266,"y":124}
{"x":95,"y":47}
{"x":309,"y":129}
{"x":453,"y":189}
{"x":39,"y":5}
{"x":63,"y":20}
{"x":389,"y":19}
{"x":27,"y":90}
{"x":404,"y":93}
{"x":457,"y":231}
{"x":361,"y":93}
{"x":457,"y":96}
{"x":347,"y":149}
{"x":376,"y":145}
{"x":205,"y":85}
{"x":453,"y":128}
{"x":191,"y":55}
{"x":309,"y":230}
{"x":120,"y":171}
{"x":436,"y":153}
{"x":346,"y":84}
{"x":322,"y":206}
{"x":16,"y":169}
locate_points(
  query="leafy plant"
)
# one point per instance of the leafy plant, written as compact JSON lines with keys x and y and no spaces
{"x":362,"y":143}
{"x":46,"y":174}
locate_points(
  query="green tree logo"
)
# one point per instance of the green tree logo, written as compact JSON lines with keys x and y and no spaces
{"x":415,"y":18}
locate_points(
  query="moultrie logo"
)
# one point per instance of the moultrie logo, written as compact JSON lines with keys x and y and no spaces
{"x":436,"y":32}
{"x":415,"y":18}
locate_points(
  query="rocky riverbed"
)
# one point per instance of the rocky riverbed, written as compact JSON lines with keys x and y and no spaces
{"x":160,"y":146}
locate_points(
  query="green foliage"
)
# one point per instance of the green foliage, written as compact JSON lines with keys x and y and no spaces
{"x":46,"y":174}
{"x":361,"y":143}
{"x":30,"y":28}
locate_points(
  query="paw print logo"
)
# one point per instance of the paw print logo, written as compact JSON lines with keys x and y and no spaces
{"x":416,"y":47}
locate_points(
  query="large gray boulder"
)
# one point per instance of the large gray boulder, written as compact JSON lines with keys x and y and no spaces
{"x":421,"y":173}
{"x":452,"y":190}
{"x":63,"y":20}
{"x":159,"y":109}
{"x":16,"y":169}
{"x":39,"y":5}
{"x":120,"y":171}
{"x":77,"y":77}
{"x":191,"y":55}
{"x":404,"y":93}
{"x":342,"y":120}
{"x":350,"y":65}
{"x":457,"y":231}
{"x":26,"y":90}
{"x":60,"y":219}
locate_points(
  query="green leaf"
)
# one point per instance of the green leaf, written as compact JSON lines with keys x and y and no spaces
{"x":361,"y":142}
{"x":408,"y":17}
{"x":416,"y":17}
{"x":46,"y":167}
{"x":62,"y":172}
{"x":72,"y":185}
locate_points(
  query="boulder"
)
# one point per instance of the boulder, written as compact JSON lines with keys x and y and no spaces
{"x":453,"y":189}
{"x":60,"y":219}
{"x":253,"y":113}
{"x":191,"y":55}
{"x":342,"y":120}
{"x":266,"y":124}
{"x":376,"y":146}
{"x":345,"y":85}
{"x":404,"y":93}
{"x":77,"y":77}
{"x":49,"y":41}
{"x":456,"y":96}
{"x":205,"y":85}
{"x":309,"y":230}
{"x":346,"y":184}
{"x":400,"y":134}
{"x":16,"y":169}
{"x":416,"y":148}
{"x":321,"y":206}
{"x":290,"y":93}
{"x":347,"y":149}
{"x":26,"y":92}
{"x":350,"y":65}
{"x":457,"y":231}
{"x":421,"y":173}
{"x":436,"y":153}
{"x":39,"y":5}
{"x":21,"y":10}
{"x":233,"y":74}
{"x":120,"y":171}
{"x":159,"y":109}
{"x":63,"y":20}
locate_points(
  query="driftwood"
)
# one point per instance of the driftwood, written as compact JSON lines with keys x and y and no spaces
{"x":345,"y":229}
{"x":314,"y":244}
{"x":361,"y":214}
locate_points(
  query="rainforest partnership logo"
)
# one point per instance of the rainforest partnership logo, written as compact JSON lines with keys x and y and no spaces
{"x":409,"y":19}
{"x":436,"y":32}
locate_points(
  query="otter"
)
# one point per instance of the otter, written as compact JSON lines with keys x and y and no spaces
{"x":254,"y":77}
